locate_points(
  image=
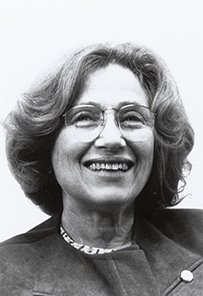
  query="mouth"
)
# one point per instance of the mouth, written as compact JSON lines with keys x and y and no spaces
{"x":109,"y":165}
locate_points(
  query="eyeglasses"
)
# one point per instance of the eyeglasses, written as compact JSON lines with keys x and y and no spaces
{"x":86,"y":122}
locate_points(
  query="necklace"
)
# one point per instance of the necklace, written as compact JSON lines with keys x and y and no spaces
{"x":87,"y":249}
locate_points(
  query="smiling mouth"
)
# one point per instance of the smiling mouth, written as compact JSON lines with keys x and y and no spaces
{"x":109,"y":166}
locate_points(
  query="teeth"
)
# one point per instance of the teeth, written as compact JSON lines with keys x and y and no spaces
{"x":115,"y":166}
{"x":109,"y":166}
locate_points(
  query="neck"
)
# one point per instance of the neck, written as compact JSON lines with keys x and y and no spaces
{"x":107,"y":229}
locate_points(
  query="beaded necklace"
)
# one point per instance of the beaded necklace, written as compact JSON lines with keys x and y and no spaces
{"x":87,"y":249}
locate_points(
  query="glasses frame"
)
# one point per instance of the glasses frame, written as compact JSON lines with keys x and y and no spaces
{"x":91,"y":134}
{"x":149,"y":123}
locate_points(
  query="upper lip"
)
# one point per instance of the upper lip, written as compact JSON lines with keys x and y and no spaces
{"x":110,"y":160}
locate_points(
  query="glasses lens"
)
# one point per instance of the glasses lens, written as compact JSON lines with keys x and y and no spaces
{"x":134,"y":120}
{"x":134,"y":117}
{"x":84,"y":122}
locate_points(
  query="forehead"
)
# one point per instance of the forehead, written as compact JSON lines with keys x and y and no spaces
{"x":112,"y":86}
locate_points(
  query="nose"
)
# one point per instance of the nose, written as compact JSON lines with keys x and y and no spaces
{"x":110,"y":137}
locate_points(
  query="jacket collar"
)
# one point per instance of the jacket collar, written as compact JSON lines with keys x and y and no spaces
{"x":166,"y":258}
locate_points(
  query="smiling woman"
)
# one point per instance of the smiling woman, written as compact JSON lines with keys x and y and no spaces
{"x":101,"y":143}
{"x":73,"y":159}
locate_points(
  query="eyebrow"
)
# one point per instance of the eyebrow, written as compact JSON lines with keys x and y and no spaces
{"x":120,"y":105}
{"x":90,"y":103}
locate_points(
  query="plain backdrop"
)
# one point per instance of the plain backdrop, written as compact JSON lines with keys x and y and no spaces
{"x":34,"y":33}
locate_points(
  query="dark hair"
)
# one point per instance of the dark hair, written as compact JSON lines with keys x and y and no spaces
{"x":32,"y":127}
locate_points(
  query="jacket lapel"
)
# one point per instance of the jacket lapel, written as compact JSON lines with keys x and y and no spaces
{"x":167,"y":258}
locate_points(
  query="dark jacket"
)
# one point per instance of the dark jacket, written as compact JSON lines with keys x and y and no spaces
{"x":40,"y":262}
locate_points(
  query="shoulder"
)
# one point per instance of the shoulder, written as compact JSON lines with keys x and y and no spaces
{"x":25,"y":247}
{"x":184,"y":226}
{"x":37,"y":233}
{"x":22,"y":257}
{"x":186,"y":219}
{"x":178,"y":214}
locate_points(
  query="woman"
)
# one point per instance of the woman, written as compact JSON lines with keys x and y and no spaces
{"x":101,"y":144}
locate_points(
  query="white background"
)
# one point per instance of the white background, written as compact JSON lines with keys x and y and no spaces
{"x":33,"y":33}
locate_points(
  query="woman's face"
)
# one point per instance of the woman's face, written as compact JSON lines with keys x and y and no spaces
{"x":109,"y":170}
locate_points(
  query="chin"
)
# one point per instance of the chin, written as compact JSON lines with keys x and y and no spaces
{"x":112,"y":199}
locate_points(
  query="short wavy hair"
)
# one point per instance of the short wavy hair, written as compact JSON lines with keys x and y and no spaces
{"x":32,"y":127}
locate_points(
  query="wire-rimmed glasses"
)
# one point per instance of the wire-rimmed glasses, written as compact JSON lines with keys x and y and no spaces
{"x":86,"y":122}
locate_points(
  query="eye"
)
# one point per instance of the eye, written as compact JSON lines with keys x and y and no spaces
{"x":132,"y":119}
{"x":83,"y":116}
{"x":84,"y":119}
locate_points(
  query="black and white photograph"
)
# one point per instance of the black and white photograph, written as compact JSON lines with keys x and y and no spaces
{"x":101,"y":148}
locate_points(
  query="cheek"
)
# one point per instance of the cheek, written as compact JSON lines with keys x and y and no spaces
{"x":149,"y":155}
{"x":145,"y":157}
{"x":60,"y":154}
{"x":57,"y":160}
{"x":66,"y":153}
{"x":144,"y":150}
{"x":148,"y":151}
